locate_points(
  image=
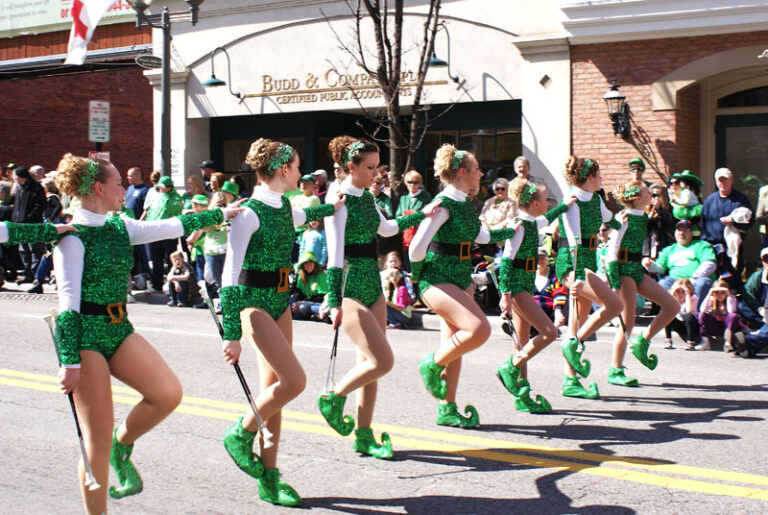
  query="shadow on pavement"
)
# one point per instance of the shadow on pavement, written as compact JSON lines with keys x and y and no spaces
{"x":550,"y":500}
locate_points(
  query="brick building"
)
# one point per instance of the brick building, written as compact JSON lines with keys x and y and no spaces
{"x":45,"y":103}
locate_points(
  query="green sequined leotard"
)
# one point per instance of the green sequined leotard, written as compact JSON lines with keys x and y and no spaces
{"x":269,"y":249}
{"x":591,"y":218}
{"x":514,"y":279}
{"x":363,"y":281}
{"x":632,"y":243}
{"x":30,"y":233}
{"x":107,"y":263}
{"x":462,"y":227}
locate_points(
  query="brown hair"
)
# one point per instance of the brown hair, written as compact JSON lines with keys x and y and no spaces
{"x":259,"y":155}
{"x":338,"y":147}
{"x":444,"y":159}
{"x":198,"y":186}
{"x":575,"y":172}
{"x":686,"y":284}
{"x":516,"y":188}
{"x":618,"y":193}
{"x":720,"y":306}
{"x":71,"y":169}
{"x":155,"y":176}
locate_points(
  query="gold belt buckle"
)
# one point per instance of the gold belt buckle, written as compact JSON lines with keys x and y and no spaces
{"x":118,"y":307}
{"x":285,"y":274}
{"x":530,"y":265}
{"x":623,"y":255}
{"x":465,"y":250}
{"x":593,"y":242}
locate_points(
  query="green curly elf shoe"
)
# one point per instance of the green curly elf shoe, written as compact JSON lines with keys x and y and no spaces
{"x":430,"y":374}
{"x":448,"y":415}
{"x":332,"y":408}
{"x":508,"y":374}
{"x":523,"y":401}
{"x":274,"y":491}
{"x":366,"y":443}
{"x":616,"y":376}
{"x":572,"y":350}
{"x":238,"y":442}
{"x":640,"y":350}
{"x":129,"y":479}
{"x":572,"y":388}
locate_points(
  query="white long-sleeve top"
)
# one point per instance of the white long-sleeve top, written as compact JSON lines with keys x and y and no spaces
{"x":430,"y":226}
{"x":335,"y":226}
{"x":572,"y":218}
{"x":512,"y":245}
{"x":242,"y":228}
{"x":3,"y":233}
{"x":69,"y":254}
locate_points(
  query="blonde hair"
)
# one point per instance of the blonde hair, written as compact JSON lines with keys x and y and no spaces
{"x":577,"y":172}
{"x":516,"y":189}
{"x":621,"y":189}
{"x":176,"y":254}
{"x":720,"y":306}
{"x":685,"y":283}
{"x":259,"y":155}
{"x":71,"y":170}
{"x":413,"y":174}
{"x":444,"y":159}
{"x":198,"y":186}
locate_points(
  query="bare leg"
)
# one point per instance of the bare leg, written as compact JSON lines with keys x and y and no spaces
{"x":93,"y":401}
{"x":596,"y":290}
{"x":528,"y":313}
{"x":460,"y":311}
{"x":367,"y":328}
{"x":651,"y":290}
{"x":523,"y":331}
{"x":140,"y":366}
{"x":272,"y":342}
{"x":628,"y":294}
{"x":452,"y":370}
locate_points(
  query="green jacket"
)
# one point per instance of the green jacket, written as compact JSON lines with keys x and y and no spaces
{"x":165,"y":205}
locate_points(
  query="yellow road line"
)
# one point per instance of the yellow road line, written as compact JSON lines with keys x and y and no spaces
{"x":490,"y":449}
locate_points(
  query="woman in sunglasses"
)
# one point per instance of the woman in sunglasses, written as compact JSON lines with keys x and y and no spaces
{"x":414,"y":201}
{"x":500,"y":210}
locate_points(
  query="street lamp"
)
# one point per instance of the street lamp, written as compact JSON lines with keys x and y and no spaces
{"x":162,"y":21}
{"x":215,"y":82}
{"x":618,"y":110}
{"x":436,"y":62}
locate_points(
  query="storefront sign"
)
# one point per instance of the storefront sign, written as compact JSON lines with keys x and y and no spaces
{"x":331,"y":86}
{"x":98,"y":121}
{"x":35,"y":16}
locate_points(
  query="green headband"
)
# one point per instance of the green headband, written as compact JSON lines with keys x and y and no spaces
{"x":282,"y":156}
{"x":526,"y":195}
{"x":631,"y":192}
{"x":457,"y":158}
{"x":352,"y":151}
{"x":88,"y":178}
{"x":587,"y":168}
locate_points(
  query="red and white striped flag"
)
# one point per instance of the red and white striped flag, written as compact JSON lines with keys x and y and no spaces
{"x":85,"y":16}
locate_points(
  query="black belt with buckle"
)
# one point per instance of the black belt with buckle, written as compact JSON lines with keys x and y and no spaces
{"x":461,"y":250}
{"x":115,"y":311}
{"x":266,"y":278}
{"x":629,"y":257}
{"x":592,"y":245}
{"x":529,"y":264}
{"x":360,"y":250}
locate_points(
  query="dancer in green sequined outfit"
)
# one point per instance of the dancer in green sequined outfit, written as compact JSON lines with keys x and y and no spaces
{"x":254,"y":301}
{"x":440,"y":259}
{"x":14,"y":234}
{"x":351,"y":234}
{"x":626,"y":275}
{"x":517,"y":284}
{"x":93,"y":334}
{"x":578,"y":237}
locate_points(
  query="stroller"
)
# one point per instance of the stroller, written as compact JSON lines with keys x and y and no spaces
{"x":486,"y":293}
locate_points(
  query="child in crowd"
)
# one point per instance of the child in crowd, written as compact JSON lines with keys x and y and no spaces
{"x":179,"y":278}
{"x":314,"y":241}
{"x":398,"y":301}
{"x":196,"y":241}
{"x":686,"y":322}
{"x":719,"y":317}
{"x":310,"y":289}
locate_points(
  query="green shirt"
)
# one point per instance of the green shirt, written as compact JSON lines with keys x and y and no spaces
{"x":681,"y":262}
{"x":165,"y":205}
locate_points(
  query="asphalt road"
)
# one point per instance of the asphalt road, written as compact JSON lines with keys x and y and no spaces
{"x":691,"y":439}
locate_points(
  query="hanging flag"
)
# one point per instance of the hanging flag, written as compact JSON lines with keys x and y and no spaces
{"x":85,"y":16}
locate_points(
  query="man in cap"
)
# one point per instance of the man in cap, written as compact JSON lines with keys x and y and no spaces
{"x":685,"y":259}
{"x":718,"y":212}
{"x":168,"y":203}
{"x":28,"y":207}
{"x":207,"y":167}
{"x":306,"y":199}
{"x":321,"y":184}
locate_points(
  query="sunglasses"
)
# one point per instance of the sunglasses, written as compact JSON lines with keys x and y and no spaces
{"x":499,"y":189}
{"x":672,"y":183}
{"x":413,"y":182}
{"x":764,"y":259}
